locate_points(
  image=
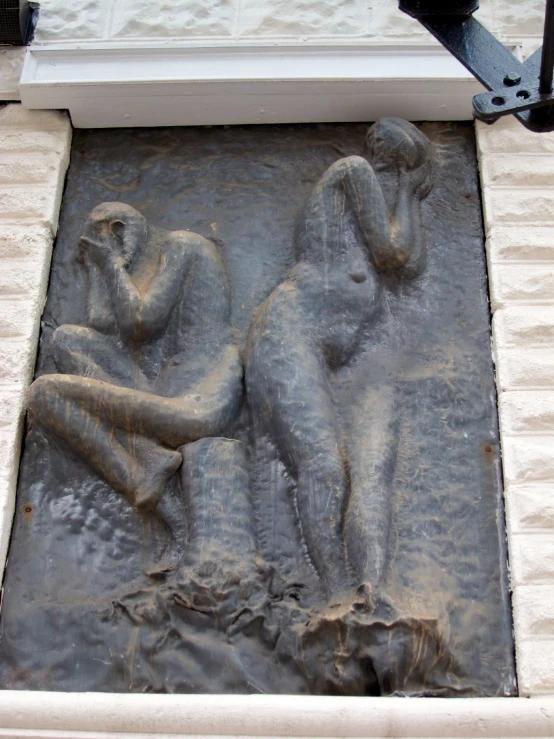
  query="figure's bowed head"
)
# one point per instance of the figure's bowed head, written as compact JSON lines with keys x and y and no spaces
{"x":393,"y":144}
{"x":113,"y":230}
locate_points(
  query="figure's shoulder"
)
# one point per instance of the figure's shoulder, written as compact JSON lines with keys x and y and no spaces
{"x":342,"y":167}
{"x":191,"y":242}
{"x":352,"y":162}
{"x":180,"y":239}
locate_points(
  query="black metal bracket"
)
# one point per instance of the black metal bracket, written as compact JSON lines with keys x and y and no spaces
{"x":523,"y":89}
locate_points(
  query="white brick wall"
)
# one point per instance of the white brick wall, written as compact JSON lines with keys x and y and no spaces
{"x":34,"y":155}
{"x":11,"y":63}
{"x":375,"y":20}
{"x":517,"y":171}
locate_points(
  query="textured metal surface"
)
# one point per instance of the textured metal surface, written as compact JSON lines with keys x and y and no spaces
{"x":92,"y":598}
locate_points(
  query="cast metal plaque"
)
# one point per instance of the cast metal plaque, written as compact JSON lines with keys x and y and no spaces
{"x":262,"y":451}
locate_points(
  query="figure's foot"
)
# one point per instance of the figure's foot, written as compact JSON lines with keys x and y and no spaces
{"x":159,"y":468}
{"x":364,"y":598}
{"x":371,"y":600}
{"x":418,"y":181}
{"x":164,"y":567}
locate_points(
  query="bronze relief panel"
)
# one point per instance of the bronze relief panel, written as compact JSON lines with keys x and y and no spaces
{"x":262,"y":451}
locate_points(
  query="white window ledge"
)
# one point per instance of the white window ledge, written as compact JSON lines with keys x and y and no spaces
{"x":103,"y":715}
{"x":131,"y":84}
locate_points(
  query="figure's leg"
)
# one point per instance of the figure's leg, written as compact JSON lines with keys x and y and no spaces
{"x":88,"y":353}
{"x":172,"y":421}
{"x":87,"y":433}
{"x":321,"y":495}
{"x":288,"y":393}
{"x":158,"y":464}
{"x":83,"y":351}
{"x":372,"y":453}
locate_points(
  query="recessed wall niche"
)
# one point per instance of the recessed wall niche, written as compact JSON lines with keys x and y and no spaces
{"x":262,"y":452}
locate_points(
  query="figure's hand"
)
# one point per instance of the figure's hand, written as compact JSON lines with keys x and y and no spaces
{"x":384,"y":157}
{"x":82,"y":255}
{"x":96,"y":251}
{"x":418,"y":181}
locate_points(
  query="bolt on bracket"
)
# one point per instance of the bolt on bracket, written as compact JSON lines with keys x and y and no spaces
{"x":523,"y":89}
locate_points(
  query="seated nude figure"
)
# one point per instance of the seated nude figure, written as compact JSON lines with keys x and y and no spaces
{"x":155,"y":367}
{"x":311,"y":324}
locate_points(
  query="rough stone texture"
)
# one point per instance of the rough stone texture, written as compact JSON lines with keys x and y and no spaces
{"x":524,"y":326}
{"x":520,"y":205}
{"x":387,"y":22}
{"x":24,"y":267}
{"x":82,"y":19}
{"x":143,"y":18}
{"x":34,"y":154}
{"x":532,"y":562}
{"x":532,"y":283}
{"x":536,"y":601}
{"x":507,"y":136}
{"x":528,"y":412}
{"x":378,"y":20}
{"x":531,"y":507}
{"x":517,"y":170}
{"x":28,"y":168}
{"x":529,"y":369}
{"x":520,"y":18}
{"x":528,"y":458}
{"x":11,"y":63}
{"x":535,"y":666}
{"x":304,"y":18}
{"x":520,"y":244}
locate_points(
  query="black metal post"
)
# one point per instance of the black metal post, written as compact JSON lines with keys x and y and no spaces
{"x":547,"y":62}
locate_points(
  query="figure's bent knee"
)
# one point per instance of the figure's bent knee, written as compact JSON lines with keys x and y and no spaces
{"x":38,"y":395}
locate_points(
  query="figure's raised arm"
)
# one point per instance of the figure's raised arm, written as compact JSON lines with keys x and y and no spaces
{"x":394,"y":238}
{"x":165,"y":287}
{"x":113,"y":236}
{"x":116,"y":239}
{"x":188,"y":262}
{"x":397,"y":146}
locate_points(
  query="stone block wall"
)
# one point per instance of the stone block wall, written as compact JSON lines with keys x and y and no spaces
{"x":517,"y":171}
{"x":11,"y":64}
{"x":306,"y":20}
{"x":34,"y":155}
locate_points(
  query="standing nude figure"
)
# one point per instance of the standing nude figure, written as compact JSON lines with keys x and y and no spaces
{"x":155,"y":367}
{"x":311,"y":324}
